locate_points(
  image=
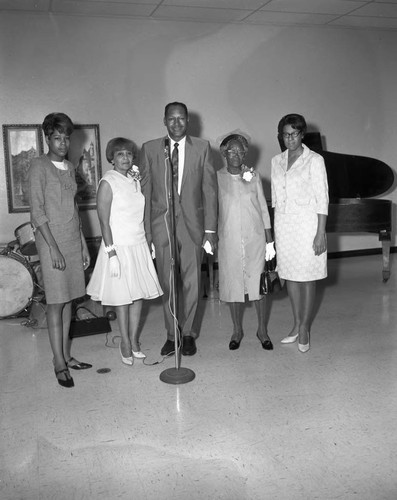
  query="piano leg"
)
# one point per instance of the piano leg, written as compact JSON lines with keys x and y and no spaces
{"x":385,"y":238}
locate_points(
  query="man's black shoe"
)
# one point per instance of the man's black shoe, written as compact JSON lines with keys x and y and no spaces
{"x":188,"y":346}
{"x":168,"y":348}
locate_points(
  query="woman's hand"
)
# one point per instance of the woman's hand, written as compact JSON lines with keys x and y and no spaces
{"x":86,"y":258}
{"x":320,"y":240}
{"x":320,"y":243}
{"x":58,"y":261}
{"x":84,"y":252}
{"x":114,"y":267}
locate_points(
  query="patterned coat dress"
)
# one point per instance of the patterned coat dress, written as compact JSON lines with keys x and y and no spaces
{"x":298,"y":195}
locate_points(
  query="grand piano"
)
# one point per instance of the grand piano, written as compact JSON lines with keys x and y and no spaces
{"x":351,"y":181}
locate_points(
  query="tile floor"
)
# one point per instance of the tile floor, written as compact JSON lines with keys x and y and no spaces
{"x":252,"y":425}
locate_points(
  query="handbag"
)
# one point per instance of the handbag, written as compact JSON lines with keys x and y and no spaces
{"x":88,"y":326}
{"x":269,"y":281}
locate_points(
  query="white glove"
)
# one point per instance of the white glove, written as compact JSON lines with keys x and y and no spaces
{"x":208,"y":248}
{"x":114,"y":267}
{"x":270,"y":251}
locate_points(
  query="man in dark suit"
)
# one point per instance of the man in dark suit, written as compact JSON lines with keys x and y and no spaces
{"x":195,"y":217}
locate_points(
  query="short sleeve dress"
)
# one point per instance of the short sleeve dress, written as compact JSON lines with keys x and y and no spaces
{"x":298,"y":195}
{"x":138,"y":278}
{"x":243,"y":218}
{"x":52,"y":199}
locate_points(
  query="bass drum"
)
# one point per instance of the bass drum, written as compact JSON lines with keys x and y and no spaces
{"x":16,"y":285}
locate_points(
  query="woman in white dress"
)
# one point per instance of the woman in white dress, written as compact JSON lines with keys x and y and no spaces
{"x":124,"y":273}
{"x":300,"y":199}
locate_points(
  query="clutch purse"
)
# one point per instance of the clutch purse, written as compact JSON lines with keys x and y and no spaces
{"x":88,"y":326}
{"x":269,"y":280}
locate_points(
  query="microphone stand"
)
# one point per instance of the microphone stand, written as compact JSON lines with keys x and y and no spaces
{"x":175,"y":375}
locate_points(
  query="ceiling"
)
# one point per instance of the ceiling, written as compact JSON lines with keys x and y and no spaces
{"x":358,"y":14}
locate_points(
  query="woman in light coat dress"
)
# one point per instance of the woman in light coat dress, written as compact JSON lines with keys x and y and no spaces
{"x":300,"y":199}
{"x":245,"y":238}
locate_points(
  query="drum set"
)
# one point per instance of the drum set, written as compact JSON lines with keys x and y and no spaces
{"x":20,"y":274}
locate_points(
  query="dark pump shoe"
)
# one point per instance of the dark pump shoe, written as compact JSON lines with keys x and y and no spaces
{"x":188,"y":346}
{"x":77,"y":365}
{"x":266,"y":344}
{"x":168,"y":348}
{"x":234,"y":344}
{"x":64,"y":378}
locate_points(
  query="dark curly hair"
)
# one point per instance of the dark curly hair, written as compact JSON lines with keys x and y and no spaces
{"x":57,"y":121}
{"x":296,"y":121}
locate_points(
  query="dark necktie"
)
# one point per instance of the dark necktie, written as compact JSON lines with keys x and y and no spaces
{"x":175,"y":161}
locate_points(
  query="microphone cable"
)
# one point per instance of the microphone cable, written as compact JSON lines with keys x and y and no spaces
{"x":167,"y":217}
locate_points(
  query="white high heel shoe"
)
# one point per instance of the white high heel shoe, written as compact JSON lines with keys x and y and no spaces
{"x":126,"y":361}
{"x":290,"y":339}
{"x":304,"y":347}
{"x":138,"y":355}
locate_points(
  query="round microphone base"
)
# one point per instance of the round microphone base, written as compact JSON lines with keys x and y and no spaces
{"x":177,"y":376}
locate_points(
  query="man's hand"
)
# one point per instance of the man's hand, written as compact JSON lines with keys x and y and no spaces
{"x":212,"y":240}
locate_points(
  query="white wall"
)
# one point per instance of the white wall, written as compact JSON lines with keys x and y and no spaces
{"x":120,"y":74}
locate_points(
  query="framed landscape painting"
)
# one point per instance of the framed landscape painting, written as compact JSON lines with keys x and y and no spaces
{"x":85,"y":154}
{"x":21,"y":144}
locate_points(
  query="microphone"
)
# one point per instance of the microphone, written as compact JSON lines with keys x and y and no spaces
{"x":167,"y":148}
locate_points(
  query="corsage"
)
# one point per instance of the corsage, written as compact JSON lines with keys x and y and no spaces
{"x":247,"y":173}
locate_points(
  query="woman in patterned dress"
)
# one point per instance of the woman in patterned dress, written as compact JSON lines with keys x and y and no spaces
{"x":245,"y":238}
{"x":300,"y":199}
{"x":60,"y":241}
{"x":124,"y":272}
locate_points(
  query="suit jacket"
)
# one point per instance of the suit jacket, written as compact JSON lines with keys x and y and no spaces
{"x":197,"y":201}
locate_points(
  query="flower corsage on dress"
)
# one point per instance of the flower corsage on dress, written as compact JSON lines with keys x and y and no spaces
{"x":247,"y":173}
{"x":135,"y":175}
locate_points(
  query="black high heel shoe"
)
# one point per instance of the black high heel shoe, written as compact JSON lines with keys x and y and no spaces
{"x":68,"y":382}
{"x":235,"y":344}
{"x":77,"y":365}
{"x":266,"y":344}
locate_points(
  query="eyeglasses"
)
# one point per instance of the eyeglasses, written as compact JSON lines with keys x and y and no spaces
{"x":237,"y":152}
{"x":292,"y":135}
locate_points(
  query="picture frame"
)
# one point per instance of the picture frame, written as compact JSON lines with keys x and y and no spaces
{"x":22,"y":142}
{"x":85,"y":154}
